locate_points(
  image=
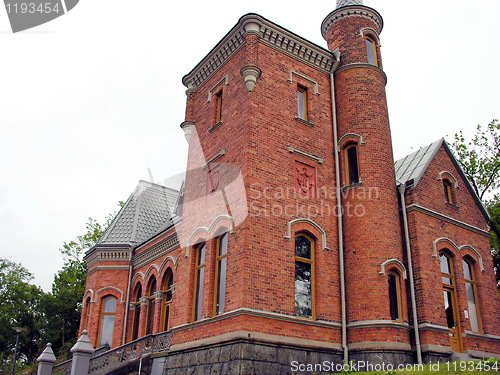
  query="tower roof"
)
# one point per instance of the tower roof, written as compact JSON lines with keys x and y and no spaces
{"x":344,"y":3}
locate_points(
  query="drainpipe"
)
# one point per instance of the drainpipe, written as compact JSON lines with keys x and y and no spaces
{"x":345,"y":349}
{"x":402,"y":189}
{"x":124,"y":335}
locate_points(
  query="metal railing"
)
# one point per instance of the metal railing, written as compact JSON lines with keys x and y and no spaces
{"x":103,"y":363}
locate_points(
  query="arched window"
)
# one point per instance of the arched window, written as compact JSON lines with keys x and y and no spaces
{"x":450,"y":302}
{"x":86,"y":308}
{"x":448,"y":191}
{"x":151,"y":305}
{"x":167,"y":299}
{"x":304,"y":276}
{"x":351,"y":164}
{"x":220,"y":271}
{"x":371,"y":50}
{"x":394,"y":295}
{"x":470,"y":287}
{"x":108,"y":312}
{"x":199,"y":280}
{"x":137,"y":311}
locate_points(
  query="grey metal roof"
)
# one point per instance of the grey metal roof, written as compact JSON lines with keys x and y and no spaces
{"x":413,"y":166}
{"x":344,"y":3}
{"x":147,"y":210}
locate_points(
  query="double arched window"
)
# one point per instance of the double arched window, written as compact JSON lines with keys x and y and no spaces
{"x":167,"y":299}
{"x":199,"y":281}
{"x":470,"y":289}
{"x":151,"y":305}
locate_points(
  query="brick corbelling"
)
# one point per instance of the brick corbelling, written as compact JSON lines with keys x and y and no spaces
{"x":348,"y":13}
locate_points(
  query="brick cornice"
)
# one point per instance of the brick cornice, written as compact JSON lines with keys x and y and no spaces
{"x":351,"y":11}
{"x":269,"y":34}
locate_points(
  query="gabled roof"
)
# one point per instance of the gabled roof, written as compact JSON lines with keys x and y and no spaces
{"x":146,"y":211}
{"x":411,"y":168}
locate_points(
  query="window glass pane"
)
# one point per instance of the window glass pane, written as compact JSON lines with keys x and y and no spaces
{"x":301,"y":104}
{"x":471,"y":300}
{"x":302,"y":247}
{"x":446,"y":280}
{"x":107,"y":326}
{"x":352,"y":158}
{"x":201,"y":255}
{"x":199,"y":293}
{"x":393,"y":297}
{"x":303,"y":288}
{"x":110,"y":305}
{"x":445,"y":264}
{"x":370,"y":51}
{"x":221,"y":282}
{"x":223,"y":245}
{"x":467,"y":270}
{"x":448,"y":308}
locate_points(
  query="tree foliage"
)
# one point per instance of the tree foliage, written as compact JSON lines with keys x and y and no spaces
{"x":63,"y":306}
{"x":480,"y":161}
{"x":19,"y":307}
{"x":480,"y":158}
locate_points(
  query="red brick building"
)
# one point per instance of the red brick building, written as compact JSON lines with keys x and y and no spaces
{"x":296,"y":239}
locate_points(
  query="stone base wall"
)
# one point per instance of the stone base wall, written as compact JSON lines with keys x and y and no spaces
{"x":246,"y":358}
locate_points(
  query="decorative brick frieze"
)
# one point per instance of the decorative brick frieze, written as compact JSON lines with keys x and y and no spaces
{"x":154,"y":252}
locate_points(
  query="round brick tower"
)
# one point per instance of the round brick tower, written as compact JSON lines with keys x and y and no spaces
{"x":377,"y":318}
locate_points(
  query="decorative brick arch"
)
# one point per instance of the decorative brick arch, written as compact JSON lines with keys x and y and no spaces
{"x":291,"y":223}
{"x":150,"y":271}
{"x":400,"y":266}
{"x":209,"y":231}
{"x":136,"y":276}
{"x":163,"y":266}
{"x":89,"y":294}
{"x":445,"y":175}
{"x":112,"y":291}
{"x":350,"y":137}
{"x":450,"y":243}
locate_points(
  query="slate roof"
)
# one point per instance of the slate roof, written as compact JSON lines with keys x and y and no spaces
{"x":413,"y":166}
{"x":149,"y":209}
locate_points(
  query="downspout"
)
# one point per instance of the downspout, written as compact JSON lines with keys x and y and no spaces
{"x":345,"y":349}
{"x":124,"y":336}
{"x":402,"y":189}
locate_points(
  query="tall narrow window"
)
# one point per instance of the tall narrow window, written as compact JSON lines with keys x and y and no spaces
{"x":394,"y":295}
{"x":351,"y":164}
{"x":304,"y":268}
{"x":448,"y":192}
{"x":218,"y":107}
{"x":151,"y":306}
{"x":302,"y":103}
{"x":371,"y":51}
{"x":221,"y":261}
{"x":199,"y":280}
{"x":137,"y":311}
{"x":87,"y":313}
{"x":167,"y":300}
{"x":450,"y":302}
{"x":470,"y":288}
{"x":107,"y":321}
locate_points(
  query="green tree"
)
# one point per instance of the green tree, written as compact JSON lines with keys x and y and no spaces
{"x":480,"y":161}
{"x":63,"y":306}
{"x":480,"y":158}
{"x":20,"y":306}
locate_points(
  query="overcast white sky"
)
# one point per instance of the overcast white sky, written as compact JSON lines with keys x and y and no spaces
{"x":91,"y":100}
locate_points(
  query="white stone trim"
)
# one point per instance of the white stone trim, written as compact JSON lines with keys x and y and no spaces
{"x":378,"y":324}
{"x":288,"y":235}
{"x":457,"y":248}
{"x":110,"y":288}
{"x":388,"y":262}
{"x":316,"y":86}
{"x":317,"y":159}
{"x":209,"y":231}
{"x":225,"y":79}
